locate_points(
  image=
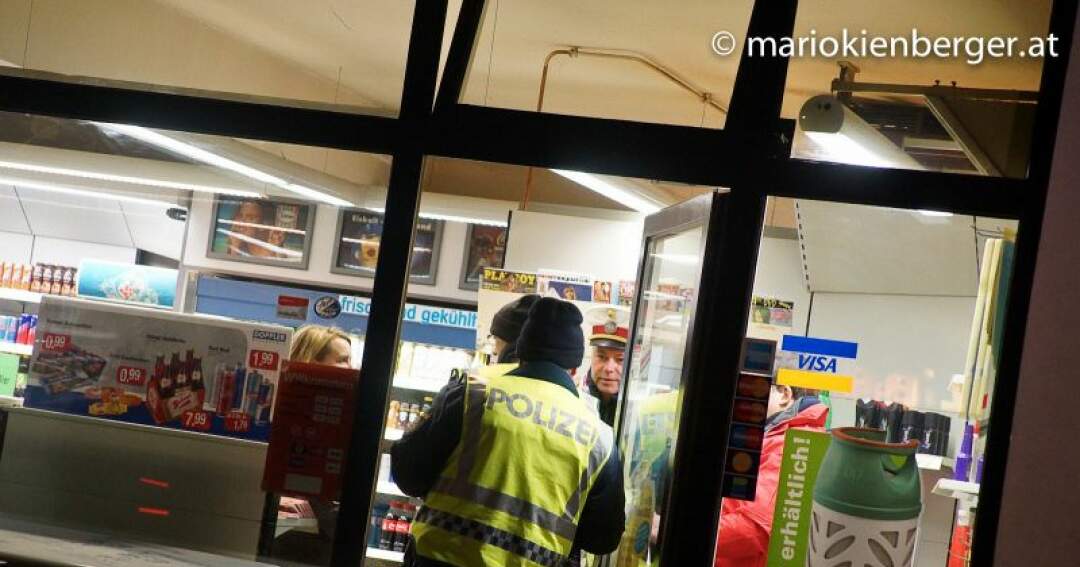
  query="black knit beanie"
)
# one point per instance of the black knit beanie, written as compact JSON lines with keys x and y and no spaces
{"x":507,"y":322}
{"x":552,"y":333}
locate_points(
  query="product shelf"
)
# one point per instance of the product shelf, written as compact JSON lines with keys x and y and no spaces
{"x":933,"y":462}
{"x":15,"y":348}
{"x":966,"y":492}
{"x":419,"y":384}
{"x":385,"y":555}
{"x":387,"y":487}
{"x":20,"y":295}
{"x":307,"y":525}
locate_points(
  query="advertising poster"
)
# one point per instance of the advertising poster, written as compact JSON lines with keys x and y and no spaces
{"x":626,"y":293}
{"x":129,"y":283}
{"x":485,"y":248}
{"x":568,"y":291}
{"x":771,"y":311}
{"x":9,"y":373}
{"x":156,"y":368}
{"x":261,"y":231}
{"x":312,"y":426}
{"x":803,"y":453}
{"x":506,"y":280}
{"x":359,"y":235}
{"x":602,"y":292}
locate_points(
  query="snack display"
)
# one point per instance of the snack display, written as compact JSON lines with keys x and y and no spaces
{"x":144,"y":365}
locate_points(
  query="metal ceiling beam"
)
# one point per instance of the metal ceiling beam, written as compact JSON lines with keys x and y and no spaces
{"x":952,"y":124}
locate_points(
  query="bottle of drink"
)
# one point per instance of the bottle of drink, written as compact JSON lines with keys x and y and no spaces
{"x":27,"y":275}
{"x":403,"y":416}
{"x":35,"y":279}
{"x":404,"y":522}
{"x":426,"y":408}
{"x":197,"y":375}
{"x":389,"y":527}
{"x":392,"y":415}
{"x":46,"y":278}
{"x":57,"y":280}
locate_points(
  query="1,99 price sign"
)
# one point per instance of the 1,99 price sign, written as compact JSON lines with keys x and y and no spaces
{"x":237,"y":423}
{"x":263,"y":360}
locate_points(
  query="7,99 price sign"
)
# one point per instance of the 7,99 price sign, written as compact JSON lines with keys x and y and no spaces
{"x":197,"y":420}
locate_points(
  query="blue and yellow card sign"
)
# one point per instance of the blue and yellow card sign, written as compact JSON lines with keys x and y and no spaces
{"x":817,"y":364}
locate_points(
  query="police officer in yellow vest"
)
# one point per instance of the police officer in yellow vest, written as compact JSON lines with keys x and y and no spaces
{"x":515,"y":469}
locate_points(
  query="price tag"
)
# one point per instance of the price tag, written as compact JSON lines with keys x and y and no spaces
{"x":238,"y":423}
{"x":55,"y":343}
{"x":131,"y":376}
{"x":263,"y":360}
{"x":197,"y":420}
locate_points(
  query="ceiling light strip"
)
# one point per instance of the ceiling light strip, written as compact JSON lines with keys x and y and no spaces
{"x":107,"y":196}
{"x":98,"y":176}
{"x":609,"y":190}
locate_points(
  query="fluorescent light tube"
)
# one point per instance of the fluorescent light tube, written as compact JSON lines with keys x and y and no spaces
{"x":934,"y":213}
{"x":82,"y":192}
{"x":83,"y":174}
{"x":449,"y":218}
{"x":196,"y":153}
{"x":609,"y":190}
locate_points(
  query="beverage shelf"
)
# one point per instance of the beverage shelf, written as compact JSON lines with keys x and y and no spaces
{"x":933,"y":462}
{"x":419,"y":384}
{"x":385,"y":555}
{"x":15,"y":348}
{"x":19,"y":295}
{"x":387,"y":487}
{"x":966,"y":492}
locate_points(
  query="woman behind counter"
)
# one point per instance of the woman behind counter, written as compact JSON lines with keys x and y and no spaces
{"x":332,"y":347}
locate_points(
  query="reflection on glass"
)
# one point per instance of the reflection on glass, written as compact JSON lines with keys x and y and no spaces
{"x":648,"y":430}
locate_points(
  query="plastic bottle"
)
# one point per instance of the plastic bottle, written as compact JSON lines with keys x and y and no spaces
{"x":389,"y":527}
{"x":392,"y":415}
{"x":404,"y":522}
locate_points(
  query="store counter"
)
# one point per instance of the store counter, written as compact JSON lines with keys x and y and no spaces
{"x":28,"y":544}
{"x":135,"y":482}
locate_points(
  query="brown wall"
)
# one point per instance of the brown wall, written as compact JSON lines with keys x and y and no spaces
{"x":1038,"y":516}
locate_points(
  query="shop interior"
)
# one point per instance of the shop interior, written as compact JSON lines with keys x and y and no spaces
{"x":265,"y":233}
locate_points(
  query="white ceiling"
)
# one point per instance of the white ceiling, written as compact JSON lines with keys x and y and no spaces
{"x":90,"y":219}
{"x":863,"y":249}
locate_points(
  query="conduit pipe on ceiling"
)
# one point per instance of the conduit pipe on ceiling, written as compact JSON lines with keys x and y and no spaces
{"x":626,"y":55}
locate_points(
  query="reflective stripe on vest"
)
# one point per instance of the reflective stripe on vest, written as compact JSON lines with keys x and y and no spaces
{"x":521,"y":505}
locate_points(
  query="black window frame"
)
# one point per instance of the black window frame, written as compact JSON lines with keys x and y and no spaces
{"x":749,"y":156}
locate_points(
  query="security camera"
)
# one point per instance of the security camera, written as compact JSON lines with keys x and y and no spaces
{"x":177,"y":214}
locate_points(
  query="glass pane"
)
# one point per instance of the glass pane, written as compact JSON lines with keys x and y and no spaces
{"x":163,"y":412}
{"x":510,"y":233}
{"x":886,"y":319}
{"x":648,"y":433}
{"x":986,"y":57}
{"x":347,"y":54}
{"x":637,"y":60}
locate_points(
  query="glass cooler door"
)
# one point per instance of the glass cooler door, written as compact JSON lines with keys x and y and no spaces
{"x":670,"y":270}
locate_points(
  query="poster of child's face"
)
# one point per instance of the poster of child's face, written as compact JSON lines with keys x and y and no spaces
{"x":358,"y":245}
{"x":261,"y":231}
{"x":486,"y":248}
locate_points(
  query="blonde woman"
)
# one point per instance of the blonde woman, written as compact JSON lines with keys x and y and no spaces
{"x":319,"y":345}
{"x":322,"y":345}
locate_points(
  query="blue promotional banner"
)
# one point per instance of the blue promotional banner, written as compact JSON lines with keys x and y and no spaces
{"x":127,"y":282}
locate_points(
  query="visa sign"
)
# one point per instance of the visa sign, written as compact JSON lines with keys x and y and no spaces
{"x":817,"y":363}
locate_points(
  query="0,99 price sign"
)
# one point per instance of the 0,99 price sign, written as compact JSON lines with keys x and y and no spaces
{"x":263,"y":360}
{"x":130,"y":376}
{"x":53,"y":342}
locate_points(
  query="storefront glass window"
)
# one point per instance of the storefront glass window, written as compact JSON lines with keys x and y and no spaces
{"x":639,"y":61}
{"x":154,"y":284}
{"x":949,"y":88}
{"x":502,"y":247}
{"x":350,"y":55}
{"x":889,"y":320}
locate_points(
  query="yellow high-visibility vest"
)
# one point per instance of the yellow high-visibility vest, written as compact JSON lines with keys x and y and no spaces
{"x":514,"y":487}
